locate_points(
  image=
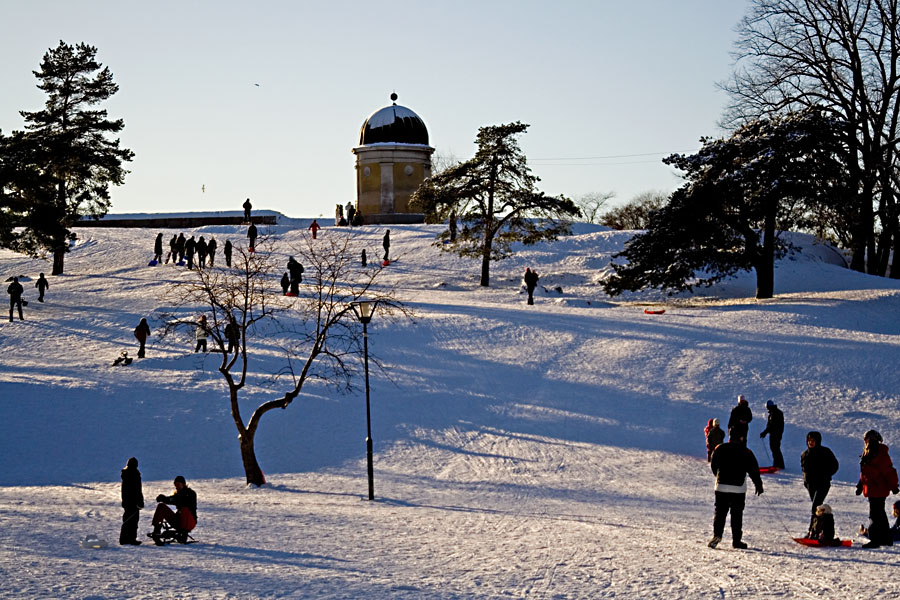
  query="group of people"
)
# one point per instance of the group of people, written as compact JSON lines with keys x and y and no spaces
{"x":15,"y":291}
{"x":190,"y":251}
{"x":290,"y":281}
{"x":353,"y":216}
{"x":732,"y":462}
{"x":231,"y":334}
{"x":181,"y":521}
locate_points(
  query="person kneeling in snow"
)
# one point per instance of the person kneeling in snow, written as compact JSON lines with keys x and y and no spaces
{"x":823,"y":527}
{"x":183,"y":519}
{"x":895,"y":528}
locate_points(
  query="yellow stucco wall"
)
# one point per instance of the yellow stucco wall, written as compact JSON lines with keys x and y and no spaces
{"x":369,"y":189}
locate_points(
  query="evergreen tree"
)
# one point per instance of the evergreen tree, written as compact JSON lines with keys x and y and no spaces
{"x":495,"y":198}
{"x":739,"y":193}
{"x":61,"y":167}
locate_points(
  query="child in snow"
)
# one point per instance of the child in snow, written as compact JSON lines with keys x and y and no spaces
{"x":202,"y":333}
{"x":823,"y":527}
{"x":285,"y":284}
{"x":132,"y":502}
{"x":714,"y":437}
{"x":895,"y":528}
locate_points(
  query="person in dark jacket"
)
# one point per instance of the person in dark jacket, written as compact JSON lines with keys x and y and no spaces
{"x":184,"y":518}
{"x":189,"y":248}
{"x":180,"y":247}
{"x":132,"y":502}
{"x":247,"y":206}
{"x":296,"y":272}
{"x":201,"y":253}
{"x":15,"y":291}
{"x":141,"y":333}
{"x":157,"y":249}
{"x":714,"y":436}
{"x":363,"y":258}
{"x":741,"y":414}
{"x":252,"y":234}
{"x":731,"y":463}
{"x":233,"y":335}
{"x":227,"y":252}
{"x":285,"y":284}
{"x":386,"y":244}
{"x":818,"y":465}
{"x":530,"y":278}
{"x":173,"y":250}
{"x":42,"y":284}
{"x":877,"y":479}
{"x":775,"y":430}
{"x":211,"y":246}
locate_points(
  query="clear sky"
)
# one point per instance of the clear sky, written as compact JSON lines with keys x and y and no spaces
{"x":609,"y":88}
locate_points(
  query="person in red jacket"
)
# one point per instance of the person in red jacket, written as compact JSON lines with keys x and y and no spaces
{"x":877,"y":479}
{"x":314,"y":227}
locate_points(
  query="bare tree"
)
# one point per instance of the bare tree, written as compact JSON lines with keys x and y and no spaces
{"x":843,"y":56}
{"x":323,"y":335}
{"x":591,"y":203}
{"x":636,"y":213}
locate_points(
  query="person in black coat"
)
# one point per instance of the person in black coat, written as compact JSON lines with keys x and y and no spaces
{"x":226,"y":250}
{"x":233,"y":335}
{"x":252,"y":234}
{"x":15,"y":291}
{"x":530,"y":278}
{"x":42,"y":284}
{"x":386,"y":243}
{"x":180,"y":244}
{"x":285,"y":284}
{"x":775,"y":430}
{"x":189,"y":248}
{"x":818,"y":466}
{"x":247,"y":206}
{"x":141,"y":333}
{"x":157,"y":249}
{"x":184,"y":518}
{"x":741,"y":415}
{"x":132,"y":502}
{"x":211,"y":246}
{"x":731,"y":463}
{"x":201,"y":253}
{"x":296,"y":271}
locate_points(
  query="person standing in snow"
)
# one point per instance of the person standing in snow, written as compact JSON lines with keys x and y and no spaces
{"x":530,"y":279}
{"x":877,"y":479}
{"x":211,"y":246}
{"x":285,"y":284}
{"x":141,"y":333}
{"x":296,"y":271}
{"x":386,"y":244}
{"x":132,"y":502}
{"x":247,"y":206}
{"x":189,"y":247}
{"x":314,"y":227}
{"x":818,"y":466}
{"x":42,"y":284}
{"x":741,"y":415}
{"x":731,"y":463}
{"x":252,"y":235}
{"x":363,"y":257}
{"x":201,"y":253}
{"x":173,"y":250}
{"x":233,"y":335}
{"x":15,"y":291}
{"x":201,"y":333}
{"x":775,"y":430}
{"x":180,"y":248}
{"x":157,"y":249}
{"x":714,"y":437}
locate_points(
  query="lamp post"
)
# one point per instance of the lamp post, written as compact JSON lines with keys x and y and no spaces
{"x":364,"y":311}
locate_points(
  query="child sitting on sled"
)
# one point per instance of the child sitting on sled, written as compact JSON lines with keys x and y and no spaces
{"x":823,"y":527}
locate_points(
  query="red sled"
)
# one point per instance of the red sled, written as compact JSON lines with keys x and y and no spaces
{"x":291,"y":295}
{"x":768,"y":470}
{"x":818,"y":544}
{"x":647,"y":311}
{"x":385,"y":263}
{"x":251,"y":249}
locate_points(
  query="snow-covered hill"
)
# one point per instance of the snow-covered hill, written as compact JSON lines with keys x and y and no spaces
{"x":546,"y":451}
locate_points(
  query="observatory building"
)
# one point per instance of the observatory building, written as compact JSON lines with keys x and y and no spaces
{"x":393,"y":158}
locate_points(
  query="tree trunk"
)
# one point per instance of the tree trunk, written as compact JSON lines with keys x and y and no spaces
{"x":248,"y":456}
{"x":765,"y":263}
{"x":59,"y":255}
{"x":486,"y":265}
{"x":895,"y":263}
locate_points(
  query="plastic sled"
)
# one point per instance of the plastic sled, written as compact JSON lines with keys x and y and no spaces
{"x":818,"y":544}
{"x":768,"y":470}
{"x":152,"y":263}
{"x":385,"y":263}
{"x":647,"y":311}
{"x":93,"y":542}
{"x":291,"y":295}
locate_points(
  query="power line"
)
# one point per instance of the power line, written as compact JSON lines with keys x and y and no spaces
{"x":611,"y":156}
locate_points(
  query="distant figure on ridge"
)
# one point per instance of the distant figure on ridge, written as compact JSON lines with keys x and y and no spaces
{"x":180,"y":246}
{"x":251,"y":235}
{"x":141,"y":333}
{"x":351,"y":213}
{"x":173,"y":250}
{"x":227,"y":252}
{"x":15,"y":291}
{"x":201,"y":253}
{"x":247,"y":206}
{"x":157,"y":249}
{"x":189,"y":248}
{"x":211,"y":246}
{"x":42,"y":284}
{"x":775,"y":430}
{"x":132,"y":502}
{"x":314,"y":227}
{"x":386,"y":244}
{"x":530,"y":278}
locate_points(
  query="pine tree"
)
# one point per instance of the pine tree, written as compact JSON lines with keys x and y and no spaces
{"x":495,"y":197}
{"x":60,"y":169}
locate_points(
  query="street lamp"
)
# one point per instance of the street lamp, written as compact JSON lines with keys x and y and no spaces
{"x":364,"y":311}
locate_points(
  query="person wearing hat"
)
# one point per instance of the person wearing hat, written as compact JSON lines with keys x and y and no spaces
{"x":823,"y":527}
{"x":714,"y":437}
{"x":731,"y":463}
{"x":775,"y":430}
{"x":877,"y":479}
{"x":184,"y":518}
{"x":741,"y":415}
{"x":818,"y":465}
{"x":132,"y":502}
{"x":15,"y":291}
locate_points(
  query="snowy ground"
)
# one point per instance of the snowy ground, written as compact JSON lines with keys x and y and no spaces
{"x":546,"y":451}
